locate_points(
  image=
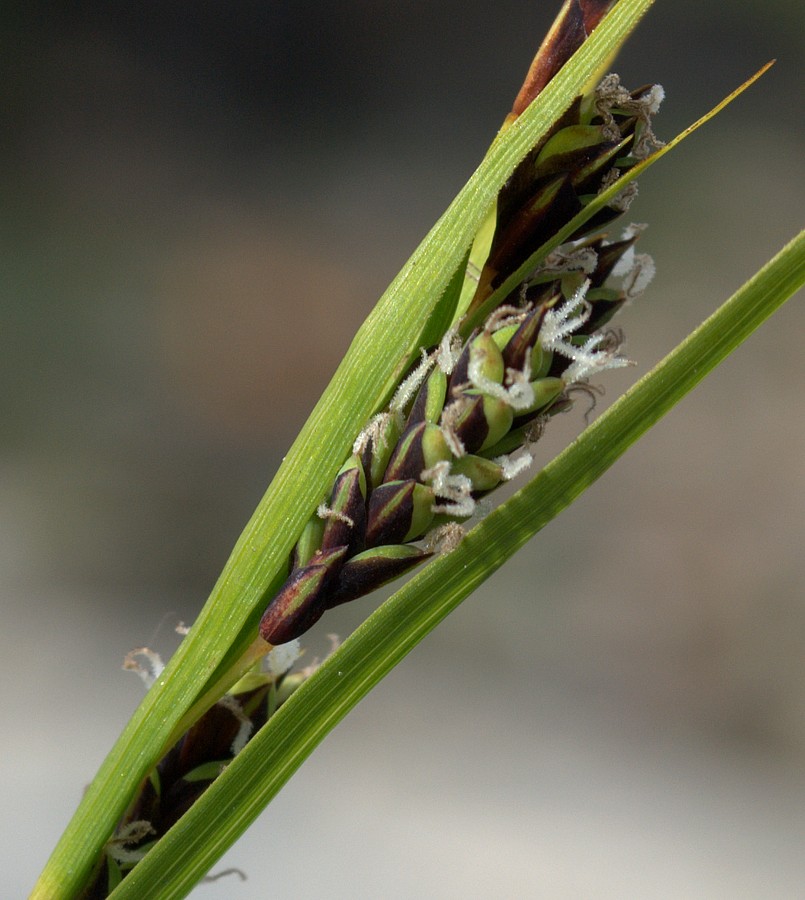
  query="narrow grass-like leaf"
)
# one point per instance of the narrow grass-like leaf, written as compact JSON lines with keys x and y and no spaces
{"x":193,"y":845}
{"x":363,"y":382}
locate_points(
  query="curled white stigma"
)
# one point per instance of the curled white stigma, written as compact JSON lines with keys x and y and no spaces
{"x":447,"y":424}
{"x":131,"y":833}
{"x":411,"y":384}
{"x":325,"y":512}
{"x":456,"y":489}
{"x":448,"y":351}
{"x":512,"y":466}
{"x":591,"y":358}
{"x":517,"y":392}
{"x":563,"y":320}
{"x":636,"y":269}
{"x":375,"y":432}
{"x":445,"y":538}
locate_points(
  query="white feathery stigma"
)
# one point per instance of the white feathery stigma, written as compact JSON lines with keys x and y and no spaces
{"x":457,"y":489}
{"x":325,"y":512}
{"x":519,"y":394}
{"x":245,"y":724}
{"x":375,"y":432}
{"x":512,"y":465}
{"x":447,"y":424}
{"x":591,"y":358}
{"x":410,"y":385}
{"x":448,"y":351}
{"x":636,"y":269}
{"x":562,"y":320}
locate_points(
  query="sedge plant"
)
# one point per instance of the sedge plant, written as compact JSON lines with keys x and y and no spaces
{"x":502,"y":319}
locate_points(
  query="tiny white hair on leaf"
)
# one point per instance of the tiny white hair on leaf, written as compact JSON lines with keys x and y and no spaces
{"x":410,"y":385}
{"x":375,"y":432}
{"x":447,"y":425}
{"x":512,"y":465}
{"x":456,"y":489}
{"x":445,"y":538}
{"x":448,"y":351}
{"x":153,"y":668}
{"x":282,"y":657}
{"x":245,"y":724}
{"x":325,"y":512}
{"x":564,"y":319}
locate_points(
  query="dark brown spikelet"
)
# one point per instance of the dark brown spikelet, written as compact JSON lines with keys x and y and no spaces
{"x":570,"y":29}
{"x":187,"y":770}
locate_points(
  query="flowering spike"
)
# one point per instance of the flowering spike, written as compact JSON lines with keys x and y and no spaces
{"x":460,"y":419}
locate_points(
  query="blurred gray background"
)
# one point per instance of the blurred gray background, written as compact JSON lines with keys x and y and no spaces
{"x":201,"y":202}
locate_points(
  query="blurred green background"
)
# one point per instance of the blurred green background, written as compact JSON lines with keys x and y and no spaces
{"x":201,"y":202}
